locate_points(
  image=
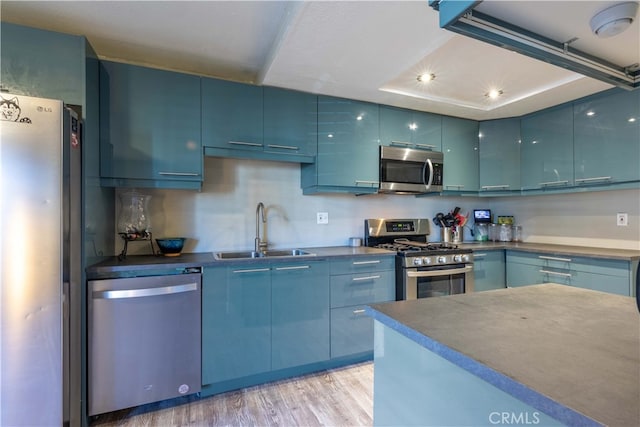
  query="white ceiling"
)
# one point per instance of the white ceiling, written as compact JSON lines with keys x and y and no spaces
{"x":366,"y":50}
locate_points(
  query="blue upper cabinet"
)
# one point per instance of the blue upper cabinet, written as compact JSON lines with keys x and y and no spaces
{"x":149,"y":127}
{"x":461,"y":157}
{"x":500,"y":156}
{"x":290,"y":122}
{"x":607,"y":138}
{"x":347,"y":159}
{"x":251,"y":122}
{"x":546,"y":153}
{"x":408,"y":128}
{"x":232,"y":115}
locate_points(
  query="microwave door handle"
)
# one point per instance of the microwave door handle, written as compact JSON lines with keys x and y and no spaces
{"x":428,"y":184}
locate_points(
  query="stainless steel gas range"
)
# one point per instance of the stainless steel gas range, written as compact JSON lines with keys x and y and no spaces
{"x":423,"y":269}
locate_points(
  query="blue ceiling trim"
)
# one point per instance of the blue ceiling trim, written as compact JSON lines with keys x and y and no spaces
{"x":486,"y":28}
{"x":451,"y":10}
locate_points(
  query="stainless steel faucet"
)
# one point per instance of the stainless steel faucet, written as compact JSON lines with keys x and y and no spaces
{"x":260,"y":245}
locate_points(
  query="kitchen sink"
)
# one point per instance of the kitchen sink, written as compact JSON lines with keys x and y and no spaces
{"x":276,"y":253}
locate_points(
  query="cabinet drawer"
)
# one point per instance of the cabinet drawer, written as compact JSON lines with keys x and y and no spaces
{"x":362,"y":288}
{"x":362,"y":264}
{"x":351,"y":331}
{"x":563,"y":262}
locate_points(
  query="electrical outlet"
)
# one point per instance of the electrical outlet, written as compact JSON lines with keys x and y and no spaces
{"x":323,"y":217}
{"x":622,"y":219}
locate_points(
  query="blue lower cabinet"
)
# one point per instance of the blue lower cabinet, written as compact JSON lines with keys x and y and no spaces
{"x":351,"y":331}
{"x":236,"y":322}
{"x":489,"y":271}
{"x":355,"y":282}
{"x":300,"y":314}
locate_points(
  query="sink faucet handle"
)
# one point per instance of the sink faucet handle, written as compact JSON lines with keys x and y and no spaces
{"x":262,"y":246}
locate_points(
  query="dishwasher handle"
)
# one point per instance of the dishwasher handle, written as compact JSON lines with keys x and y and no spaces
{"x":146,"y":292}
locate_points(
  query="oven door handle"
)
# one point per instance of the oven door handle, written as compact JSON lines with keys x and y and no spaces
{"x":444,"y":272}
{"x":428,"y":182}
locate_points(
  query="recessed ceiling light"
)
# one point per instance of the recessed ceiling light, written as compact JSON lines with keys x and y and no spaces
{"x":591,"y":113}
{"x":631,"y":119}
{"x":413,"y":126}
{"x":426,"y":77}
{"x":493,"y":94}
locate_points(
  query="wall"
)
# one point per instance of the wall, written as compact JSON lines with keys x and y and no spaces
{"x":222,"y":216}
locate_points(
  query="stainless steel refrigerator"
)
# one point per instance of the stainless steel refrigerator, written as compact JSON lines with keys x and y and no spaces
{"x":40,"y":300}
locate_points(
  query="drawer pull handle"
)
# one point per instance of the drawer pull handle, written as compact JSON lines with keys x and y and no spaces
{"x":479,"y":255}
{"x":550,"y":183}
{"x":458,"y":186}
{"x":251,"y":270}
{"x":594,"y":179}
{"x":403,"y":143}
{"x":285,"y":147}
{"x":358,"y":311}
{"x":251,"y":144}
{"x":358,"y":279}
{"x":550,"y":258}
{"x":496,"y":187}
{"x":369,"y":183}
{"x":377,"y":261}
{"x":555,"y":273}
{"x":429,"y":146}
{"x":179,"y":173}
{"x":296,"y":267}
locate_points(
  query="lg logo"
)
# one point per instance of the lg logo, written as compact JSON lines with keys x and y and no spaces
{"x":514,"y":418}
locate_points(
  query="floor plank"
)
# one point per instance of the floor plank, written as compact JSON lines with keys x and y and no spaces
{"x":337,"y":397}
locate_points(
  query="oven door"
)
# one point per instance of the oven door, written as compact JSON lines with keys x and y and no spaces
{"x":426,"y":282}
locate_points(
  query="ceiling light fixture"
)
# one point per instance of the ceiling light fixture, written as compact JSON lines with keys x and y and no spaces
{"x":493,"y":94}
{"x":613,"y":20}
{"x":426,"y":77}
{"x":631,"y":119}
{"x":591,"y":113}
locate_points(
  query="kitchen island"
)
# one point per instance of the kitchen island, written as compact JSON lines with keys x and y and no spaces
{"x":538,"y":355}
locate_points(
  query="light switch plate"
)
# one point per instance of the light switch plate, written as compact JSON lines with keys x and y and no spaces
{"x":622,"y":219}
{"x":323,"y":217}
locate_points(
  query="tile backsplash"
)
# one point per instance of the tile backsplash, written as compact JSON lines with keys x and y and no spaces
{"x":223,"y":215}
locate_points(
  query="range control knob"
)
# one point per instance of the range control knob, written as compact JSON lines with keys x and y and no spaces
{"x":426,"y":260}
{"x":442,"y":260}
{"x":417,"y":261}
{"x":465,"y":258}
{"x":457,"y":258}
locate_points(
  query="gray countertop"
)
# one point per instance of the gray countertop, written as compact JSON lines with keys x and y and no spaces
{"x":113,"y":265}
{"x":187,"y":260}
{"x":578,"y":347}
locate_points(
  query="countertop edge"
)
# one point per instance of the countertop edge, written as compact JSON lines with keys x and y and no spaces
{"x":501,"y":381}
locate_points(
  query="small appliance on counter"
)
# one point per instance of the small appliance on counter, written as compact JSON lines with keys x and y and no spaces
{"x":481,"y":224}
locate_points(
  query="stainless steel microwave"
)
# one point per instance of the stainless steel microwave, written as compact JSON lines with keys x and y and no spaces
{"x":410,"y":171}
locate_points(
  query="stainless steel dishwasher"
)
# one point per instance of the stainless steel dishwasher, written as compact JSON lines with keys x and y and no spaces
{"x":144,"y":340}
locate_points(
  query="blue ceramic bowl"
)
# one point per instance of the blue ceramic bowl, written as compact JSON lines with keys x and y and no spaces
{"x":171,"y":246}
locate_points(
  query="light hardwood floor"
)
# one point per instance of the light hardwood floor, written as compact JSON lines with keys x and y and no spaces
{"x":337,"y":397}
